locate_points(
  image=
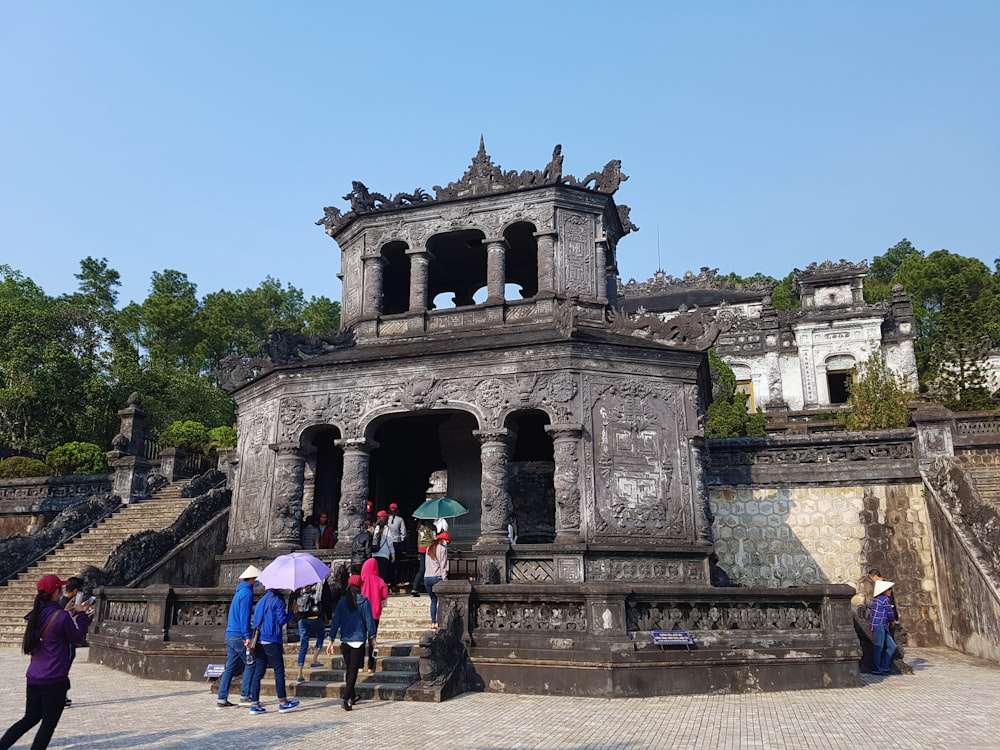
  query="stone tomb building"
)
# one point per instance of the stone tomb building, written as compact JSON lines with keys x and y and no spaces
{"x":481,"y":337}
{"x":791,"y":360}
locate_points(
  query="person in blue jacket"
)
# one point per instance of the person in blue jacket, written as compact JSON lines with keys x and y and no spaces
{"x":49,"y":632}
{"x":353,"y":619}
{"x":271,"y":616}
{"x":238,"y":633}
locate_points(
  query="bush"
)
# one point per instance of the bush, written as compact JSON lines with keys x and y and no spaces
{"x":77,"y":458}
{"x":877,"y":396}
{"x":22,"y":467}
{"x":728,"y":414}
{"x":191,"y":437}
{"x":221,"y":437}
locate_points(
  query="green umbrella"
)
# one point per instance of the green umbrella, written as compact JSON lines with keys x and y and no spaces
{"x":440,"y":507}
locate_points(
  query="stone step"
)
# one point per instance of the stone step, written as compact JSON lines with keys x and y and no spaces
{"x":91,"y":548}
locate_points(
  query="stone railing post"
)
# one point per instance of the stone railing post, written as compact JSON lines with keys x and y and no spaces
{"x":171,"y":463}
{"x":935,"y":433}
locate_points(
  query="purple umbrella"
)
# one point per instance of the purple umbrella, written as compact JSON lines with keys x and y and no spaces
{"x":293,"y":571}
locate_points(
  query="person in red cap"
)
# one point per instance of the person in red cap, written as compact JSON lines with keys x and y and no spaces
{"x":437,"y":570}
{"x":353,"y":620}
{"x":49,"y":632}
{"x":397,"y":532}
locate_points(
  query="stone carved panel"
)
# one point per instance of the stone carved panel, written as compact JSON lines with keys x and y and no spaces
{"x":256,"y":460}
{"x":531,"y":570}
{"x":566,"y":618}
{"x":576,"y":235}
{"x":131,"y":612}
{"x":641,"y":460}
{"x":661,"y":571}
{"x":201,"y":614}
{"x":722,"y":615}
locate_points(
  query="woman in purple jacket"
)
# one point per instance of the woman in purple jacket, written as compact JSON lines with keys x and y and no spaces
{"x":48,"y":635}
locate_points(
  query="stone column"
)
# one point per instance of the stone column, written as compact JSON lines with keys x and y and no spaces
{"x":419,"y":265}
{"x":286,"y":499}
{"x":496,"y":270}
{"x":565,"y":444}
{"x":353,"y":490}
{"x":372,"y":293}
{"x":602,"y":270}
{"x":546,"y":263}
{"x":492,"y":546}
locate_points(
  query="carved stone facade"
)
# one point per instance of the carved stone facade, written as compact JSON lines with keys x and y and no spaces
{"x":544,"y":405}
{"x":787,"y":360}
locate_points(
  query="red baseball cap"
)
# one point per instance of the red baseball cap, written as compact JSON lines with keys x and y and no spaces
{"x":50,"y":584}
{"x":443,"y":536}
{"x":381,"y":514}
{"x":393,"y":506}
{"x":354,"y":580}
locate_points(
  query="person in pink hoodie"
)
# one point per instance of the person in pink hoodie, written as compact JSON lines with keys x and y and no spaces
{"x":375,"y":591}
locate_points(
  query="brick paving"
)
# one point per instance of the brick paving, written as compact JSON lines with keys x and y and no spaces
{"x":952,"y":701}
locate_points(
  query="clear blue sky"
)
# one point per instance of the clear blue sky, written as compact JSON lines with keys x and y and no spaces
{"x":759,"y":136}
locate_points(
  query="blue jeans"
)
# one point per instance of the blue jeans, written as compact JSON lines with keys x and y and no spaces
{"x":268,"y":655}
{"x":885,"y":648}
{"x":418,"y":579}
{"x":310,"y":629}
{"x":429,"y":583}
{"x":236,"y":663}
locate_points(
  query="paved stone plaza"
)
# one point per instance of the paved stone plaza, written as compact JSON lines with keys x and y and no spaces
{"x":951,"y":701}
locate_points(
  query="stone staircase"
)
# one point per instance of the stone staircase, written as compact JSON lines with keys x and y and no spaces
{"x":91,"y":548}
{"x":987,"y":481}
{"x":404,"y":620}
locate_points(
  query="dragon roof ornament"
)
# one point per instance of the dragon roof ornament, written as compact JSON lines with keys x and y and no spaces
{"x":483,"y":177}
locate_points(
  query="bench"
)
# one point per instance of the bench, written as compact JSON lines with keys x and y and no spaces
{"x":663,"y":638}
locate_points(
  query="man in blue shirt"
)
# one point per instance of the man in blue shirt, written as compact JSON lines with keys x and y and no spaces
{"x":883,"y":618}
{"x":238,"y":633}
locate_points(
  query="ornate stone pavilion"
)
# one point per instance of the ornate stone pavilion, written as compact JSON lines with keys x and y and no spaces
{"x":481,"y":337}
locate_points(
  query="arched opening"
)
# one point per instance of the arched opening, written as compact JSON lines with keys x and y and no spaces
{"x":395,"y":279}
{"x":522,"y":260}
{"x":530,"y":473}
{"x":413,"y":446}
{"x":457,"y":266}
{"x":838,"y":377}
{"x":326,"y":466}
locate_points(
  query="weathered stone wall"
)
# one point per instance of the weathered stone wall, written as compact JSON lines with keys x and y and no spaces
{"x":26,"y":505}
{"x":803,"y":535}
{"x":796,"y":511}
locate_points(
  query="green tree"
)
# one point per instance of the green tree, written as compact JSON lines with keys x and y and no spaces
{"x":882,"y":272}
{"x":22,"y":467}
{"x":877,"y":397}
{"x":956,"y":309}
{"x":728,"y":415}
{"x":77,"y":458}
{"x":189,"y":436}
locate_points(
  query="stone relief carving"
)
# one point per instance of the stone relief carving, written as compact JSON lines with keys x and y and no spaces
{"x":542,"y":617}
{"x":645,"y":616}
{"x":638,"y":453}
{"x":672,"y":571}
{"x":694,"y":329}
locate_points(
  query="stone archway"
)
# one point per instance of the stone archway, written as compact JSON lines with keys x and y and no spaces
{"x":410,"y":448}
